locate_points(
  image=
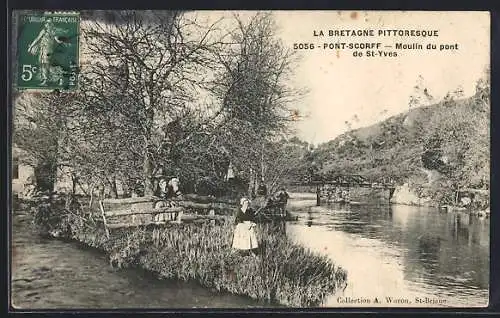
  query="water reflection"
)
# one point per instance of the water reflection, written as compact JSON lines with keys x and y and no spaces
{"x":309,"y":217}
{"x":401,"y":250}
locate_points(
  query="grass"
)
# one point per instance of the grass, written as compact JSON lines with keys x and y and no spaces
{"x":283,"y":272}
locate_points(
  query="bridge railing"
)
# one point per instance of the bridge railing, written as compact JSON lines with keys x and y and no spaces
{"x":345,"y":184}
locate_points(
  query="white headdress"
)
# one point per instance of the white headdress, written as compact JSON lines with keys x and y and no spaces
{"x":243,"y":200}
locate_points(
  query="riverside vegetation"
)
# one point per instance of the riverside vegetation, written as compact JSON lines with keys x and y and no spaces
{"x":283,"y":273}
{"x":436,"y":150}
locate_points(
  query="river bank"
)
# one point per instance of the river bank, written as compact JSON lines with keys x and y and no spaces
{"x":283,"y":273}
{"x":407,"y":194}
{"x":53,"y":274}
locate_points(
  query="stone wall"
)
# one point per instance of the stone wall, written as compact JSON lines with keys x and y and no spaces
{"x":362,"y":195}
{"x":369,"y":195}
{"x":403,"y":194}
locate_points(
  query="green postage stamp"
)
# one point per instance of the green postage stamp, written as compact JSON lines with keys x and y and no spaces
{"x":48,"y":51}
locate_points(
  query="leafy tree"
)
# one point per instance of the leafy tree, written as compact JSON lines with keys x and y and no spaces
{"x":255,"y":95}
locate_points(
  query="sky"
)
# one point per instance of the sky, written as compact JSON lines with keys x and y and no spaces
{"x":365,"y":90}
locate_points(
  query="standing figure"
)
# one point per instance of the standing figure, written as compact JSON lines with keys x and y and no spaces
{"x":44,"y":46}
{"x":245,"y":237}
{"x":262,"y":189}
{"x":261,"y":200}
{"x":282,"y":200}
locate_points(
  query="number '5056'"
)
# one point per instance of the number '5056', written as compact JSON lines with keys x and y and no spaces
{"x":303,"y":46}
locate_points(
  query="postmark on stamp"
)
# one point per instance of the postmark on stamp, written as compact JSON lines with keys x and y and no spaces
{"x":48,"y":51}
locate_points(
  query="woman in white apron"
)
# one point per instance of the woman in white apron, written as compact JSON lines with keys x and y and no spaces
{"x":245,"y":237}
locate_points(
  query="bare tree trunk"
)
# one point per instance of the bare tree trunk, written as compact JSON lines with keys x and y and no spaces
{"x":46,"y":176}
{"x":148,"y":172}
{"x":114,"y":190}
{"x":112,"y":186}
{"x":148,"y":162}
{"x":251,"y":183}
{"x":73,"y":183}
{"x":125,"y":188}
{"x":101,"y":190}
{"x":262,"y":166}
{"x":91,"y":197}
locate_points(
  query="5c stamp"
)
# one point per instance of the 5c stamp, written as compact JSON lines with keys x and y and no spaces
{"x":48,"y":51}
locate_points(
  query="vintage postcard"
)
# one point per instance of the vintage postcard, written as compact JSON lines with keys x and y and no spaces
{"x":241,"y":159}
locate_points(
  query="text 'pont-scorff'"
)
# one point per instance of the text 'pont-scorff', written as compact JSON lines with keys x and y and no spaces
{"x":376,"y":43}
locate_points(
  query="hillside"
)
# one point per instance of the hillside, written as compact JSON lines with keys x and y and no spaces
{"x":435,"y":149}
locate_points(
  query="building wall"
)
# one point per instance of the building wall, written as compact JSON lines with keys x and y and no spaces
{"x":23,"y":173}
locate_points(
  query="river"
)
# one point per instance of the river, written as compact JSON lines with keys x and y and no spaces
{"x":401,"y":252}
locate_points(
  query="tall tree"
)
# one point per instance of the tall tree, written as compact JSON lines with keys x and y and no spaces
{"x":155,"y":63}
{"x":255,"y":93}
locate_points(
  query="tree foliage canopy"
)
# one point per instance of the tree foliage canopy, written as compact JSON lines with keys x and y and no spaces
{"x":162,"y":91}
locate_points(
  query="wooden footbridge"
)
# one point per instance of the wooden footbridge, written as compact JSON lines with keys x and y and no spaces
{"x":336,"y":188}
